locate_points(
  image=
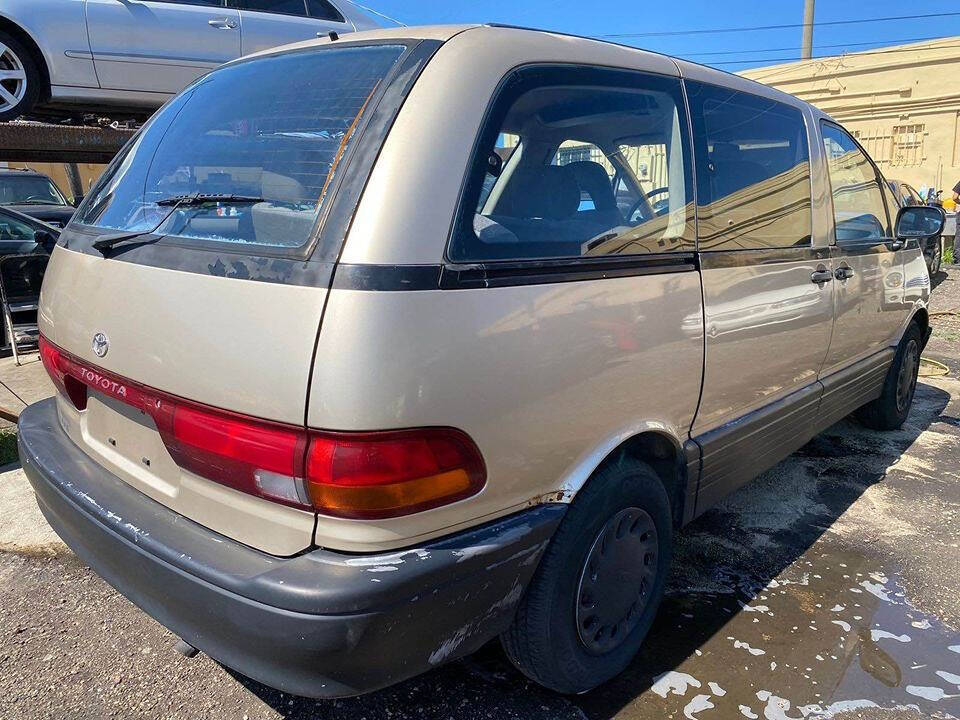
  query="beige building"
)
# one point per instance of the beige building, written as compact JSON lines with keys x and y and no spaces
{"x":902,"y":103}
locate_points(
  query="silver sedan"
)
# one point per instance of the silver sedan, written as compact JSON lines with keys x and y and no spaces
{"x":133,"y":55}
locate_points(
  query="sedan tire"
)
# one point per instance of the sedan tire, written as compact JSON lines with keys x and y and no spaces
{"x":20,"y":78}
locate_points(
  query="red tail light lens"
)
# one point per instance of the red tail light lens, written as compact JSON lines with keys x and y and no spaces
{"x":385,"y":474}
{"x":51,"y":358}
{"x":63,"y":371}
{"x":353,"y":475}
{"x":255,"y":456}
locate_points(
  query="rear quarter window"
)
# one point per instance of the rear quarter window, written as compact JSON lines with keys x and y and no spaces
{"x":577,"y":162}
{"x":274,"y":130}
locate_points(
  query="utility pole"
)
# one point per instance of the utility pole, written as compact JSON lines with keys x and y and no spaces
{"x":807,"y":29}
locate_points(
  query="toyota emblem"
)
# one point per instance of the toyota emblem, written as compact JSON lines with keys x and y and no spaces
{"x":100,"y":344}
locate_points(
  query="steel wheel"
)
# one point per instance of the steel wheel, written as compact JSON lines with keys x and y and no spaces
{"x":907,"y":377}
{"x":616,"y":580}
{"x":13,"y":79}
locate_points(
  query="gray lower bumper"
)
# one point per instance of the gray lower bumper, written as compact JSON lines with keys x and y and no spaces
{"x":321,"y":624}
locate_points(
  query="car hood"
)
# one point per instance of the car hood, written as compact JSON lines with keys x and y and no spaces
{"x":58,"y":214}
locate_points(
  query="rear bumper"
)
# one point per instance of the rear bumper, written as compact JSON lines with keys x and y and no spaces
{"x":321,"y":624}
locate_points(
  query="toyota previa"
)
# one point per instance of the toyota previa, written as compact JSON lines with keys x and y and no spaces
{"x":371,"y":350}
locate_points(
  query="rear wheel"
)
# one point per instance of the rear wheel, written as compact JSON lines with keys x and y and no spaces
{"x":20,"y":78}
{"x":600,"y":582}
{"x":890,"y":410}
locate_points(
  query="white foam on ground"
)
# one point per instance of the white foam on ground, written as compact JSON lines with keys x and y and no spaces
{"x":699,"y":702}
{"x":673,"y":682}
{"x":933,"y":694}
{"x":883,"y":634}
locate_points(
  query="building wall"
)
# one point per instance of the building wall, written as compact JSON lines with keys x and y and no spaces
{"x":902,"y":103}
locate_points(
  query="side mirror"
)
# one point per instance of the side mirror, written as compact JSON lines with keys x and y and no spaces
{"x":920,"y":222}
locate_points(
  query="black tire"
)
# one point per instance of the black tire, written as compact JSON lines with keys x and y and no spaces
{"x":937,"y":259}
{"x":18,"y":57}
{"x":890,"y":410}
{"x":545,"y":641}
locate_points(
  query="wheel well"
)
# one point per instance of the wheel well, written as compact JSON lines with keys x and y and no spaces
{"x":23,"y":36}
{"x":922,"y":319}
{"x":661,"y":453}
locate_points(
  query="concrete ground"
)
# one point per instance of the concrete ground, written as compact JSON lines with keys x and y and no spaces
{"x":23,"y":384}
{"x":828,"y":587}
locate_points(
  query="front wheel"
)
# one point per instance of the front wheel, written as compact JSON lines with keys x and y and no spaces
{"x":599,"y":584}
{"x":19,"y":78}
{"x":937,"y":258}
{"x":890,"y":410}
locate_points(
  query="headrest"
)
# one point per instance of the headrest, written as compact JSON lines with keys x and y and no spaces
{"x":542,"y":191}
{"x":593,"y":179}
{"x":282,"y":188}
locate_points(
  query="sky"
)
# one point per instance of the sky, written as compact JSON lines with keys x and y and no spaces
{"x":608,"y":17}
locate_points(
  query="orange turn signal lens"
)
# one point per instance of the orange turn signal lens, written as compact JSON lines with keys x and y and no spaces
{"x":386,"y":474}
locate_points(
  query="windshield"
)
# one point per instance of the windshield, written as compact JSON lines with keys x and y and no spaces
{"x":29,"y":190}
{"x":264,"y":137}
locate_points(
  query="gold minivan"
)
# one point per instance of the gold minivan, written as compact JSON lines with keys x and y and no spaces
{"x":371,"y":350}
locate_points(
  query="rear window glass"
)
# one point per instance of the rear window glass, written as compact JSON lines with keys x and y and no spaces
{"x":29,"y":190}
{"x":264,"y":139}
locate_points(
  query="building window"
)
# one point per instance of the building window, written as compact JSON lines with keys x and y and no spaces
{"x":877,"y":143}
{"x":907,"y":145}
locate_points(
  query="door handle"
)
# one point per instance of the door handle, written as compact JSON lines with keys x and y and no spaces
{"x":844,"y":273}
{"x":821,"y":275}
{"x":222,"y":23}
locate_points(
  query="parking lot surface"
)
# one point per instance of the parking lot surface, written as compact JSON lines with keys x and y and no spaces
{"x":828,"y":587}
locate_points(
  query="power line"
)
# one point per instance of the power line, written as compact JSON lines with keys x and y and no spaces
{"x":707,"y":31}
{"x":377,"y":12}
{"x":901,"y":41}
{"x":827,"y":57}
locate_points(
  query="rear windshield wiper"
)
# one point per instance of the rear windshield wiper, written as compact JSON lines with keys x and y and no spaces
{"x":106,"y":242}
{"x":203,"y":198}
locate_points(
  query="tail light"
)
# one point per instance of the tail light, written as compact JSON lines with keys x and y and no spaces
{"x":63,"y":371}
{"x":344,"y":474}
{"x":385,"y":474}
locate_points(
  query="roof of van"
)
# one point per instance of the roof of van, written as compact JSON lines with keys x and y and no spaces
{"x":443,"y":33}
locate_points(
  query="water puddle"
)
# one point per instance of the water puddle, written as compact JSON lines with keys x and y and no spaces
{"x":834,"y":632}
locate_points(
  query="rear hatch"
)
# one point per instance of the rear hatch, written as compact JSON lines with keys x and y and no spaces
{"x":192,"y":281}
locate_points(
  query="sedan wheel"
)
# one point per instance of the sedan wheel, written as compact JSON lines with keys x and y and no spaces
{"x":13,"y":79}
{"x":20,"y":78}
